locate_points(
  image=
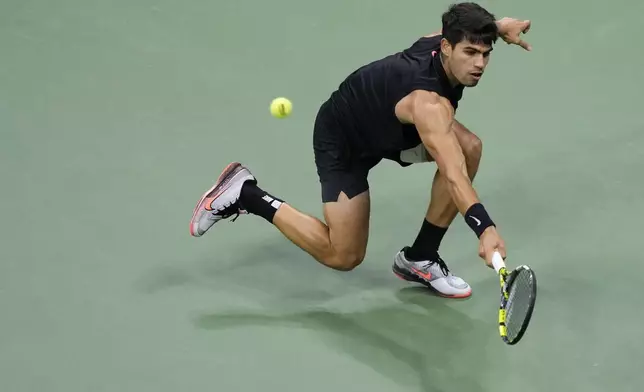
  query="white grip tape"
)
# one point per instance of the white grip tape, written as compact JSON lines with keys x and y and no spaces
{"x":497,"y":262}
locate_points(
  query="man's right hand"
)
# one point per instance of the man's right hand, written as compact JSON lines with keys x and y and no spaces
{"x":489,"y":243}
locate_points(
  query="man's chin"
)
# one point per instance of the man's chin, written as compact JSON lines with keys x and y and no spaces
{"x":472,"y":80}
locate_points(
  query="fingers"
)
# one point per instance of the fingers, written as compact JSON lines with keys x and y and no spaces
{"x":486,"y":252}
{"x":526,"y":26}
{"x":526,"y":46}
{"x":513,"y":35}
{"x":522,"y":44}
{"x":489,"y":244}
{"x":501,"y":250}
{"x":485,"y":255}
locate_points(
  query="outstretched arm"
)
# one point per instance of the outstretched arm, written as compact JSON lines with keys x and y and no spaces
{"x":433,"y":117}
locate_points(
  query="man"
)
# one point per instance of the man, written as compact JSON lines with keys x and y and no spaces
{"x":400,"y":108}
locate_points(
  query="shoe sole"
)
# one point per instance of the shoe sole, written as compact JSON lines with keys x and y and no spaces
{"x":222,"y":180}
{"x":404,"y":275}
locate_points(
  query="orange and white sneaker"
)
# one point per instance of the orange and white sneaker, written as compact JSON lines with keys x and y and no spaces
{"x":431,"y":273}
{"x":221,"y":201}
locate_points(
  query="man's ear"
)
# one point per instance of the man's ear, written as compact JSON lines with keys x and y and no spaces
{"x":446,"y":47}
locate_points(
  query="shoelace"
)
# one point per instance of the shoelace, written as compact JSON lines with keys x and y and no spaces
{"x":228,"y":211}
{"x":443,"y":266}
{"x":440,"y":263}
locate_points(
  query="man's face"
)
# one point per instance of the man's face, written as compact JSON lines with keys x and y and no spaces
{"x":466,"y":61}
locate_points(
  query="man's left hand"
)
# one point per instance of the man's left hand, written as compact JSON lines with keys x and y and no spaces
{"x":510,"y":30}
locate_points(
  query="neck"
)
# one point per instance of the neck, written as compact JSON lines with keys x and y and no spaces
{"x":450,"y":76}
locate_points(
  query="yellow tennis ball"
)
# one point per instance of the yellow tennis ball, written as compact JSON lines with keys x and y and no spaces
{"x":281,"y":107}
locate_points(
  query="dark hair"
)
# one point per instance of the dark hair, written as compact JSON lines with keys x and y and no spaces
{"x":469,"y":21}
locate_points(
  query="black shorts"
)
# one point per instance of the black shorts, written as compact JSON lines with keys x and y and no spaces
{"x":340,"y":167}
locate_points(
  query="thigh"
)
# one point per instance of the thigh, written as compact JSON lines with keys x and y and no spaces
{"x":344,"y":185}
{"x":348,"y":222}
{"x":347,"y":204}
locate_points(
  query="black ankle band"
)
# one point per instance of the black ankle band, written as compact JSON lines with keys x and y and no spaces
{"x":426,"y":245}
{"x":258,"y":202}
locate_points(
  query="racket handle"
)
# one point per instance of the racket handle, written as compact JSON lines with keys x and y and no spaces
{"x":497,"y":262}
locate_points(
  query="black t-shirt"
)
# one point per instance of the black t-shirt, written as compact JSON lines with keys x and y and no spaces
{"x":364,"y":103}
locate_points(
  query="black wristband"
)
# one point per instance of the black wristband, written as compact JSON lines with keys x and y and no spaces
{"x":477,"y":219}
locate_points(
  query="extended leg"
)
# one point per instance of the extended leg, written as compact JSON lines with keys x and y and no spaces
{"x":339,"y":244}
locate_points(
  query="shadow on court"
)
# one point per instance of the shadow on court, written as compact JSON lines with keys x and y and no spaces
{"x":274,"y":271}
{"x":419,"y":341}
{"x":411,"y":337}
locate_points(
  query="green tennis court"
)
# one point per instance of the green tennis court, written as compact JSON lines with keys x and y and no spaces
{"x":115,"y":116}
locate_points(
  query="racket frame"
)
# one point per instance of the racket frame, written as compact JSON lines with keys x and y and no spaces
{"x":505,"y":279}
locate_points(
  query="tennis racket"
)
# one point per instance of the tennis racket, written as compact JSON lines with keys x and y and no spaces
{"x":518,"y":296}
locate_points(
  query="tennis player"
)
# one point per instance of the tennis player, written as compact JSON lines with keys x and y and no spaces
{"x":400,"y":108}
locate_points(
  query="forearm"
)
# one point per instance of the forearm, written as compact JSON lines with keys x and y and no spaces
{"x":451,"y":162}
{"x":500,"y":24}
{"x":461,"y":189}
{"x":465,"y":198}
{"x":444,"y":147}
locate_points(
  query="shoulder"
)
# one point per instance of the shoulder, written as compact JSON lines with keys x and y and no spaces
{"x":422,"y":102}
{"x":430,"y":100}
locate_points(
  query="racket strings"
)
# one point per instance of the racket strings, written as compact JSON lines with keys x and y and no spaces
{"x":519,"y":302}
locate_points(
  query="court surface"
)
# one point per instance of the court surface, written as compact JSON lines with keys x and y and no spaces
{"x":116,"y":116}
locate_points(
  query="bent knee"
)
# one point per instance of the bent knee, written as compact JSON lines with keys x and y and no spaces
{"x":345,"y":261}
{"x":473,"y":148}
